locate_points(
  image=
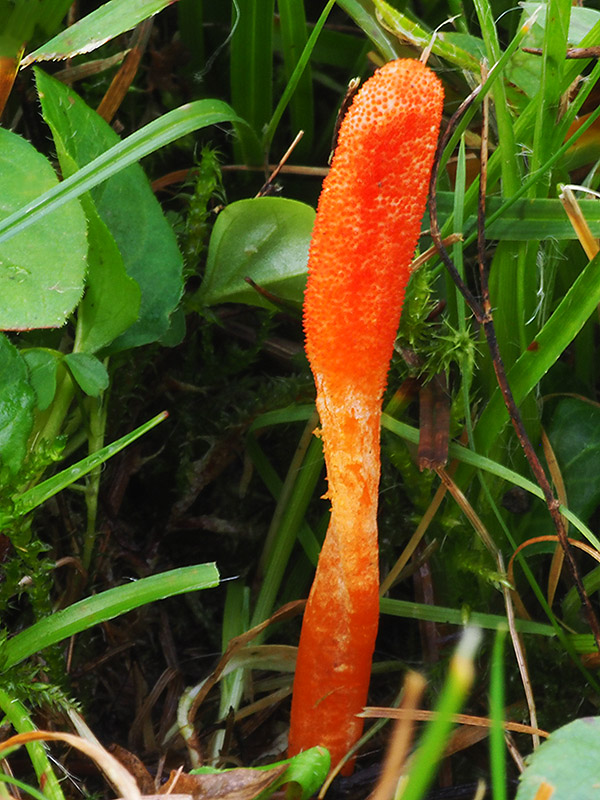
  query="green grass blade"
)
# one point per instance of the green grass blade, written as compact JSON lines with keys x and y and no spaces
{"x":283,"y":416}
{"x":236,"y":620}
{"x":43,"y":491}
{"x":290,"y":522}
{"x":494,"y":164}
{"x":456,"y":616}
{"x":411,"y":434}
{"x":104,"y":606}
{"x":294,"y":36}
{"x":30,"y":791}
{"x":171,"y":126}
{"x":19,"y":718}
{"x":530,"y":181}
{"x":523,"y":124}
{"x":190,"y":23}
{"x":556,"y":31}
{"x":297,"y":80}
{"x":103,"y":24}
{"x":497,"y":745}
{"x":511,"y":178}
{"x":251,"y":68}
{"x":431,"y":747}
{"x":274,"y":484}
{"x":568,"y":319}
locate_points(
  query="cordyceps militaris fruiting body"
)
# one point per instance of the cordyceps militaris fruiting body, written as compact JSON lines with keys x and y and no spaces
{"x":366,"y":230}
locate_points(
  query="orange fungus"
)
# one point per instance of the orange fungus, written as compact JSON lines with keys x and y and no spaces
{"x":366,"y":230}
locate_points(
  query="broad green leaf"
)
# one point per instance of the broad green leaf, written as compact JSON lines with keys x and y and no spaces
{"x":104,"y":606}
{"x":127,"y":205}
{"x":470,"y":44}
{"x":89,"y":373}
{"x":111,"y":302}
{"x":42,"y":364}
{"x":17,"y":400}
{"x":567,"y":761}
{"x":265,"y":239}
{"x":574,"y":431}
{"x":89,"y":33}
{"x":42,"y":269}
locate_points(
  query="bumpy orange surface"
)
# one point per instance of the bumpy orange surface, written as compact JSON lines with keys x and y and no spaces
{"x":365,"y":234}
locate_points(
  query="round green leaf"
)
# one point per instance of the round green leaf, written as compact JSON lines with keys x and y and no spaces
{"x":567,"y":761}
{"x":89,"y":372}
{"x":42,"y":364}
{"x":265,"y":239}
{"x":42,"y":269}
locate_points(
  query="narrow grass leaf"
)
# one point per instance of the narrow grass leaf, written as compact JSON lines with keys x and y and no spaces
{"x":292,"y":23}
{"x":291,"y":520}
{"x":43,"y":491}
{"x":497,"y":745}
{"x":474,"y":459}
{"x":104,"y":606}
{"x":251,"y":68}
{"x":510,"y":164}
{"x":429,"y":752}
{"x":456,"y":616}
{"x":20,"y":719}
{"x":297,"y":81}
{"x":89,"y":33}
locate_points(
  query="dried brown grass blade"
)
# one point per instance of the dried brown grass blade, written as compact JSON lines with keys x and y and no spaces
{"x":115,"y":772}
{"x":561,"y":492}
{"x":120,"y":84}
{"x":578,"y":221}
{"x":401,"y":739}
{"x":423,"y":715}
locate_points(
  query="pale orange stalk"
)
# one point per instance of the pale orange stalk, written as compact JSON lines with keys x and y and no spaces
{"x":365,"y":234}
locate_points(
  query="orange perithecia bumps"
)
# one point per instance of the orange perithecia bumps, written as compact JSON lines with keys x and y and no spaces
{"x":368,"y":223}
{"x":365,"y":234}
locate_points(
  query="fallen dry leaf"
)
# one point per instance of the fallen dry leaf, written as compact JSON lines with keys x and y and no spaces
{"x":236,"y":784}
